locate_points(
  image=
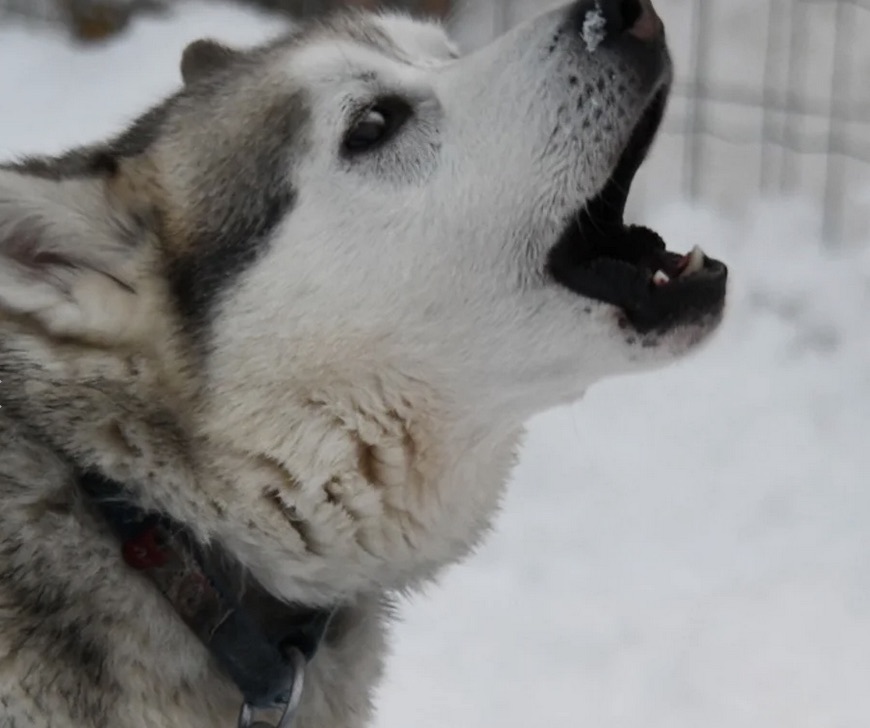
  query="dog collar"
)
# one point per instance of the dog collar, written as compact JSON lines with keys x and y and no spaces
{"x":263,"y":644}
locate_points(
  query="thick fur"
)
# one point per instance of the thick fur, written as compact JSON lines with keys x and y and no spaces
{"x":320,"y":361}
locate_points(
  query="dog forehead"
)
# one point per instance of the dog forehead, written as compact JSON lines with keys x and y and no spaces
{"x":326,"y":70}
{"x":354,"y":43}
{"x":421,"y":41}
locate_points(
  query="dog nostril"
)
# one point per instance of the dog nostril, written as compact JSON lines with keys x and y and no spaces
{"x":641,"y":20}
{"x":632,"y":10}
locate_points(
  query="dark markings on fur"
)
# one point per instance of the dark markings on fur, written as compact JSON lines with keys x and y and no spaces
{"x":367,"y":462}
{"x":139,"y":137}
{"x":204,"y":57}
{"x":226,"y":249}
{"x":248,"y":193}
{"x":242,"y":190}
{"x":68,"y":652}
{"x":105,"y":164}
{"x":292,"y":517}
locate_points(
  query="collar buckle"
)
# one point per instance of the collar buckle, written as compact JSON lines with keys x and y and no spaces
{"x":294,"y":697}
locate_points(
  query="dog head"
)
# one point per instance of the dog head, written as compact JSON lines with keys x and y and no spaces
{"x":355,"y":219}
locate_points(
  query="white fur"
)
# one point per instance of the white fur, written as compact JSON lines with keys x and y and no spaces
{"x":412,"y":313}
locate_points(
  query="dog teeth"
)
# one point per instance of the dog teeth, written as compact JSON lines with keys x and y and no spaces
{"x":695,"y":262}
{"x":661,"y":278}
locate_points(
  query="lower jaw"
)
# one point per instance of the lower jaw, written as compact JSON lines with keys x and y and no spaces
{"x":601,"y":258}
{"x":630,"y":270}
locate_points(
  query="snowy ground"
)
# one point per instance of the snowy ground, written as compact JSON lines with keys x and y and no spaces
{"x":682,"y":549}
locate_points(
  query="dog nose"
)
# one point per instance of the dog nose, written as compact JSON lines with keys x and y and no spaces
{"x":645,"y":21}
{"x":611,"y":19}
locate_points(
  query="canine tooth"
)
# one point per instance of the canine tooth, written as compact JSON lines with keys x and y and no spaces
{"x":661,"y":278}
{"x":696,"y":261}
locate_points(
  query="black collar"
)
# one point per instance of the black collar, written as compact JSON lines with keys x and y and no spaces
{"x":252,"y":635}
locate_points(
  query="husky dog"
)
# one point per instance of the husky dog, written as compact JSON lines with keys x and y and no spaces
{"x":293,"y":320}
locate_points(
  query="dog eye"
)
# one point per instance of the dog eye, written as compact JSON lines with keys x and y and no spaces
{"x":367,"y":132}
{"x":377,"y":125}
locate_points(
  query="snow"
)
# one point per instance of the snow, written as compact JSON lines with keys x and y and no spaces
{"x":683,"y":548}
{"x":594,"y":28}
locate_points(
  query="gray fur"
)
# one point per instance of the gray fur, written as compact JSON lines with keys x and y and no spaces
{"x":68,"y":655}
{"x":202,"y":58}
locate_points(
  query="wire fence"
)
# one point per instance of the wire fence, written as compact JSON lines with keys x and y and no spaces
{"x":786,"y":109}
{"x":770,"y":100}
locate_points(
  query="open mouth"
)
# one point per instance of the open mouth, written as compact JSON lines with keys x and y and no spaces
{"x":598,"y":256}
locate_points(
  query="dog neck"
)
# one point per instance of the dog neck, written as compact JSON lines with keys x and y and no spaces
{"x":253,"y":636}
{"x":320,"y":492}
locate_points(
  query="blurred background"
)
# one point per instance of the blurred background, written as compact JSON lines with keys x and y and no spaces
{"x":683,"y":548}
{"x":771,"y":100}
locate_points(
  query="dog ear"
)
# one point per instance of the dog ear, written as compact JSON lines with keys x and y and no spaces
{"x":203,"y":58}
{"x":67,"y":259}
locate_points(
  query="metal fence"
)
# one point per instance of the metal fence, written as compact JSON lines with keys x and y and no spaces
{"x":792,"y":117}
{"x":786,"y":107}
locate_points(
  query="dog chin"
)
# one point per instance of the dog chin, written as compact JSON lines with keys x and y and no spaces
{"x":658,"y":349}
